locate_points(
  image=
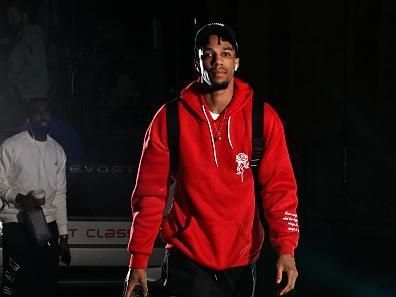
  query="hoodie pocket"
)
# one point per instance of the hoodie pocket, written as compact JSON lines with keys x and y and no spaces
{"x":212,"y":241}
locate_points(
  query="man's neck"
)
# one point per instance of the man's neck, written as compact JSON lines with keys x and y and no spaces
{"x":218,"y":100}
{"x":38,"y":135}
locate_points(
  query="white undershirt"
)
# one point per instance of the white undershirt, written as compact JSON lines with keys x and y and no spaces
{"x":214,"y":115}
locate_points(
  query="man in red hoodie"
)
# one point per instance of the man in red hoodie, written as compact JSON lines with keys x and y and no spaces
{"x":212,"y":231}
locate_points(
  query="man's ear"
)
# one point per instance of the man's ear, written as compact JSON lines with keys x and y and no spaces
{"x":197,"y":67}
{"x":236,"y":64}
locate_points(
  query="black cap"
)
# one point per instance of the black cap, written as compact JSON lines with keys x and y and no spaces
{"x":219,"y":29}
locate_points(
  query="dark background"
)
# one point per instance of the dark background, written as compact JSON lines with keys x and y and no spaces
{"x":328,"y":67}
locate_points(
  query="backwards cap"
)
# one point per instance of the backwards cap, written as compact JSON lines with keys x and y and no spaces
{"x":219,"y":29}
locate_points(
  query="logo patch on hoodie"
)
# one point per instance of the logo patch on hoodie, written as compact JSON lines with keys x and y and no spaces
{"x":242,"y":163}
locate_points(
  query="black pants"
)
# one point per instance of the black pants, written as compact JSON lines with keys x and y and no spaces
{"x":182,"y":277}
{"x":28,"y":270}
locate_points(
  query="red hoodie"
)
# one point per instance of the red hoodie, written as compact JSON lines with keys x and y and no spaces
{"x":213,"y":219}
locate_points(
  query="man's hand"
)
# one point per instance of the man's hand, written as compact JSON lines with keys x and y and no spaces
{"x":64,"y":251}
{"x":286,"y":264}
{"x":27,"y":201}
{"x":134,"y":279}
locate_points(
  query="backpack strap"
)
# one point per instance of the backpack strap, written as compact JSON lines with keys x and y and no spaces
{"x":257,"y":151}
{"x":257,"y":132}
{"x":172,"y":128}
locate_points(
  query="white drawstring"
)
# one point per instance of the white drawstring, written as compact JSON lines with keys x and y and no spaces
{"x":211,"y":136}
{"x":228,"y":132}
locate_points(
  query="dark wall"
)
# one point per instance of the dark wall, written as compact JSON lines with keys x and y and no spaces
{"x":324,"y":66}
{"x":329,"y":69}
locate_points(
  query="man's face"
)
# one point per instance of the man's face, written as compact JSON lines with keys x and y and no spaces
{"x":40,"y":117}
{"x":217,"y":61}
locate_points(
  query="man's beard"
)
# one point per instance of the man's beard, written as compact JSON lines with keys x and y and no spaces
{"x":41,"y":130}
{"x":44,"y":130}
{"x":211,"y":85}
{"x":219,"y":86}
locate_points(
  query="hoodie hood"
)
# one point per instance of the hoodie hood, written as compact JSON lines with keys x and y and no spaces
{"x":194,"y":101}
{"x":193,"y":98}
